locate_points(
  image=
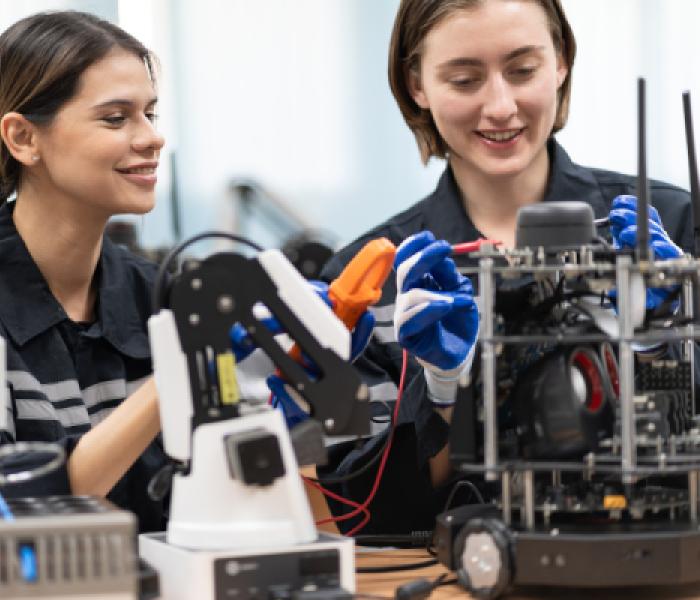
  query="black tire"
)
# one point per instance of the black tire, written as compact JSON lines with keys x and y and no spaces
{"x":484,"y":556}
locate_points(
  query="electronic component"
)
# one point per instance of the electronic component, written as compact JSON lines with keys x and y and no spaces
{"x":592,"y":449}
{"x":67,"y":547}
{"x":253,"y":573}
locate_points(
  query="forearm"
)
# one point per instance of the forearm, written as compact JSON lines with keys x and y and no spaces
{"x":439,"y":465}
{"x":106,"y":452}
{"x":317,"y":501}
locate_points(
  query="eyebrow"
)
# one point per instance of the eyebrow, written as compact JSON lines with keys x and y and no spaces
{"x":123,"y":102}
{"x":475,"y":62}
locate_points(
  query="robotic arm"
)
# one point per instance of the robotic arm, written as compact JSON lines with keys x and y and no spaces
{"x":237,"y":485}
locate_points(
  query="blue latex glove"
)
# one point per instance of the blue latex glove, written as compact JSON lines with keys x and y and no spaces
{"x":242,"y":345}
{"x":282,"y":399}
{"x":623,"y":228}
{"x":436,"y":318}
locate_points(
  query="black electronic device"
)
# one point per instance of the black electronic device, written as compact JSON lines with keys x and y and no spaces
{"x":594,"y":450}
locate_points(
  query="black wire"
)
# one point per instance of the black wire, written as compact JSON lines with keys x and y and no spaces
{"x":388,"y":539}
{"x":404,"y":567}
{"x":459,"y":484}
{"x":663,"y":309}
{"x":364,"y":468}
{"x":158,"y":300}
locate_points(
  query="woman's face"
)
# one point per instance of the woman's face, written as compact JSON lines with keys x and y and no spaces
{"x":101,"y":149}
{"x":490,"y":76}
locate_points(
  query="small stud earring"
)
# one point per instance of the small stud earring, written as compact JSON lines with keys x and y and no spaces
{"x":35,"y":157}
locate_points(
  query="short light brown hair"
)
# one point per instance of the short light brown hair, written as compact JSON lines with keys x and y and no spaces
{"x":415,"y":18}
{"x":42,"y":58}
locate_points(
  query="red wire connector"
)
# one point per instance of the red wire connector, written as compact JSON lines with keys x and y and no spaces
{"x":475,"y":246}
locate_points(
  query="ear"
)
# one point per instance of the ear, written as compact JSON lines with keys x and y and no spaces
{"x":19,"y":135}
{"x":562,"y":69}
{"x":415,"y":88}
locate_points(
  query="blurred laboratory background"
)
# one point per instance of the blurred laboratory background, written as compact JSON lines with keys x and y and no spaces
{"x":280,"y":124}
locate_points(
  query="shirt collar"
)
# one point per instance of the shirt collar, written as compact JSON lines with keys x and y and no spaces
{"x":569,"y":181}
{"x":34,"y":309}
{"x":445,"y":212}
{"x":124,"y":303}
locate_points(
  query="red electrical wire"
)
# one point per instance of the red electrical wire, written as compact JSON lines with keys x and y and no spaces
{"x":456,"y":249}
{"x":380,"y":470}
{"x":335,"y":496}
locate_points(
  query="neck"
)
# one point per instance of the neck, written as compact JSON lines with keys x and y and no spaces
{"x":492,"y":203}
{"x":65,"y":244}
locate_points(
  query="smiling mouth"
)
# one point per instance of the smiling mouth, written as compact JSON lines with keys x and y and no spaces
{"x":501,"y":136}
{"x":138,"y":171}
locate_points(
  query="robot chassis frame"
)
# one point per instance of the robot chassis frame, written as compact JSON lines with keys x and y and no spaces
{"x":513,"y":541}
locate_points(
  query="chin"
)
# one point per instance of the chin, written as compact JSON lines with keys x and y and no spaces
{"x":504,"y":168}
{"x":139,"y":206}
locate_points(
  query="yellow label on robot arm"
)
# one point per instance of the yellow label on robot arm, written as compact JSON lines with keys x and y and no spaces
{"x":228,"y":384}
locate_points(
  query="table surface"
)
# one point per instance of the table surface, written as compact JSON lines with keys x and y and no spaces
{"x":384,"y":584}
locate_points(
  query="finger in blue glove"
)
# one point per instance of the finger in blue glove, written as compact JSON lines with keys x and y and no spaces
{"x":623,"y":228}
{"x":282,"y":399}
{"x":436,"y":318}
{"x":243,"y":344}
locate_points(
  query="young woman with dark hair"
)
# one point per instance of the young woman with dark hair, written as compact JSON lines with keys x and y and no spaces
{"x":79,"y":145}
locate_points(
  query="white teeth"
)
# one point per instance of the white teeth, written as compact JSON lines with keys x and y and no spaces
{"x":140,"y":171}
{"x":501,"y":136}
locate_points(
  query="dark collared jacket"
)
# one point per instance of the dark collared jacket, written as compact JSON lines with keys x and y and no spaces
{"x":406,"y":501}
{"x":65,"y":377}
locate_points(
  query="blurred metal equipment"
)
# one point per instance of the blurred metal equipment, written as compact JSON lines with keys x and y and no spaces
{"x":67,"y":547}
{"x":258,"y":210}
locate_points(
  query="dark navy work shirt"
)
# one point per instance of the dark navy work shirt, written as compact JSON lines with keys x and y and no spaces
{"x":406,"y":501}
{"x":65,"y":377}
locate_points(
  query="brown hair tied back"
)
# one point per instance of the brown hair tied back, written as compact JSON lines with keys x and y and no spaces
{"x":415,"y":18}
{"x":41,"y":60}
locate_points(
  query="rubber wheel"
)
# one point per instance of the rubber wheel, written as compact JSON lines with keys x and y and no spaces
{"x":483,"y":552}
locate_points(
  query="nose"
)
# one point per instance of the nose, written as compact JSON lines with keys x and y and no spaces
{"x":499,"y":100}
{"x":147,"y":137}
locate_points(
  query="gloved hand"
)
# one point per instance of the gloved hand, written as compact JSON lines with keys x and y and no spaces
{"x":282,"y":395}
{"x":436,"y":318}
{"x":623,"y":228}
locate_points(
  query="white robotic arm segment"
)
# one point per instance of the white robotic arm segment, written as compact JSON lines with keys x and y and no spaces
{"x":172,"y":381}
{"x":313,"y":313}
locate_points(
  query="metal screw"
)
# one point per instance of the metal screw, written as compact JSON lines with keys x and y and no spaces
{"x":329,"y":423}
{"x":226,"y":303}
{"x":196,"y":283}
{"x":559,"y":560}
{"x":194,"y":319}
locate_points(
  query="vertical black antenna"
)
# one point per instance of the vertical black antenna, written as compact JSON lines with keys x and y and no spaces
{"x":642,"y":180}
{"x":693,"y":171}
